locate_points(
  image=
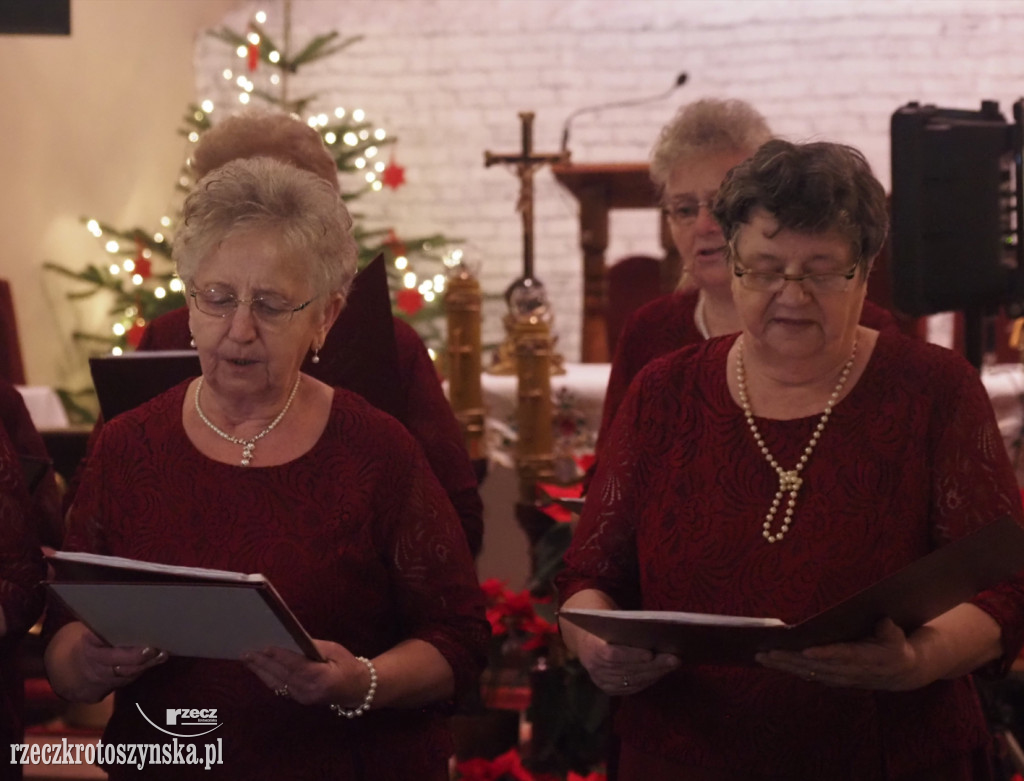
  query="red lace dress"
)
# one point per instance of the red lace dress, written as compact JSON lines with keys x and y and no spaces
{"x":411,"y":392}
{"x":910,"y":459}
{"x":666,"y":324}
{"x":357,"y":536}
{"x":21,"y":569}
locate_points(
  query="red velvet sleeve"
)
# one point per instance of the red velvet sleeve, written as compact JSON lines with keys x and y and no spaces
{"x":972,"y":483}
{"x":429,"y":418}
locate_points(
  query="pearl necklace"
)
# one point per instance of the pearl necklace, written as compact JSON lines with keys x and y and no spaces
{"x":789,"y":481}
{"x":699,"y":318}
{"x":248,"y":445}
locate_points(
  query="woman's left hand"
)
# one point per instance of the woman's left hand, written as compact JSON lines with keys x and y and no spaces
{"x":887,"y":661}
{"x":341,"y":678}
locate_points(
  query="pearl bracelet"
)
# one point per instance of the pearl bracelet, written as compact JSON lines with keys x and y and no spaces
{"x":367,"y":700}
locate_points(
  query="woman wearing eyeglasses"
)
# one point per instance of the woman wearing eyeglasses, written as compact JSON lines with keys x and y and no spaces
{"x":257,"y":467}
{"x":775,"y":472}
{"x":692,"y":155}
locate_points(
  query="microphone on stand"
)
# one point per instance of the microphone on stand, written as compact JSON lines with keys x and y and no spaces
{"x":680,"y":81}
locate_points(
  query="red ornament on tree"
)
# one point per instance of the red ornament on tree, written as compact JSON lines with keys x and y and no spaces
{"x":393,"y":175}
{"x":134,"y":334}
{"x":393,"y":243}
{"x":409,"y":301}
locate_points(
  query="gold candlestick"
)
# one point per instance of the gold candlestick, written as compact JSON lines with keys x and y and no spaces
{"x":463,"y":308}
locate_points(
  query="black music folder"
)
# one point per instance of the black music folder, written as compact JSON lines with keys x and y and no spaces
{"x":123,"y":382}
{"x":185,"y":611}
{"x":911,"y":597}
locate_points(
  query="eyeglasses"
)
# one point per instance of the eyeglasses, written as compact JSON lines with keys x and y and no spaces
{"x":685,"y":212}
{"x":268,"y":310}
{"x":774,"y":282}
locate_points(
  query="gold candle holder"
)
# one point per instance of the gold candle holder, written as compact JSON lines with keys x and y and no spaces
{"x":463,"y":302}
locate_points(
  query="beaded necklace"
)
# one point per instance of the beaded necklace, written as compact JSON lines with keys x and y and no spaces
{"x":789,"y":481}
{"x":248,"y":445}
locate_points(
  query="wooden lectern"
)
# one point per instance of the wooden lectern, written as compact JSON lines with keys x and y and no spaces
{"x":599,"y":188}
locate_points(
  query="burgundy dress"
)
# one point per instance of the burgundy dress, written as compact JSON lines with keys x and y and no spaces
{"x":21,"y":570}
{"x":910,"y":459}
{"x":357,"y":536}
{"x":666,"y":324}
{"x":413,"y":395}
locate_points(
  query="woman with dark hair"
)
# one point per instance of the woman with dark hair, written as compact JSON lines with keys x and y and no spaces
{"x":776,"y":471}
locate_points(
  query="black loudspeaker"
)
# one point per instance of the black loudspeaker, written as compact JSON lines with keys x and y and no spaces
{"x":956,"y":204}
{"x":35,"y":17}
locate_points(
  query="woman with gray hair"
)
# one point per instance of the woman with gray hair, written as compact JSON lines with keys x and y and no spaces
{"x":257,"y":467}
{"x":689,"y":160}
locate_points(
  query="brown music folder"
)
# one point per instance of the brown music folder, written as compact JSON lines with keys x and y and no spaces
{"x":911,"y":597}
{"x":185,"y":611}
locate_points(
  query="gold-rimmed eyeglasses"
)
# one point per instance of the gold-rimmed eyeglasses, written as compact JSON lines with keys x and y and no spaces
{"x":685,"y":211}
{"x":775,"y":281}
{"x":269,"y":310}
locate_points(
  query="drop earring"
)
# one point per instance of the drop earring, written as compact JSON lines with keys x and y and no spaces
{"x":191,"y":341}
{"x":316,"y":355}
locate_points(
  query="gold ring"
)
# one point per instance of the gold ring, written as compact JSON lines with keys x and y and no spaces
{"x":282,"y":691}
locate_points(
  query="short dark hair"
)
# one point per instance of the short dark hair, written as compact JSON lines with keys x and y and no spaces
{"x":808,"y":188}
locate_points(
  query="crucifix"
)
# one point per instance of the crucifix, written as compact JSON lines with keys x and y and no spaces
{"x":526,"y":163}
{"x":526,"y":298}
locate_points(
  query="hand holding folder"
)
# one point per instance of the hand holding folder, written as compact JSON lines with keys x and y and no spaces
{"x":911,"y":597}
{"x":185,"y":611}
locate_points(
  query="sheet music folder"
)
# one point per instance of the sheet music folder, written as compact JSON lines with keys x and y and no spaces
{"x":123,"y":382}
{"x":911,"y":597}
{"x":186,"y":611}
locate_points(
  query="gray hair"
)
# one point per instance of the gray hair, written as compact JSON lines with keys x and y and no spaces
{"x":706,"y":127}
{"x":263,"y":194}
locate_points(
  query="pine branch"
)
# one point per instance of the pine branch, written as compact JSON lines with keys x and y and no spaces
{"x":315,"y":49}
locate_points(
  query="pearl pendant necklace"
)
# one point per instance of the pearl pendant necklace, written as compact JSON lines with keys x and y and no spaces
{"x":789,"y":481}
{"x":248,"y":445}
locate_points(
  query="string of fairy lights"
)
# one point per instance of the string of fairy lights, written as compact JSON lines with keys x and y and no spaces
{"x":132,"y":263}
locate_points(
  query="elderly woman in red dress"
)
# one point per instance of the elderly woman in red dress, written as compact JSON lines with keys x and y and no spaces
{"x":413,"y":394}
{"x":693,"y":508}
{"x":692,"y":155}
{"x":255,"y":466}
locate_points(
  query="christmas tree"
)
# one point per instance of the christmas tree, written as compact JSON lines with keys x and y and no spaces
{"x":138,"y":275}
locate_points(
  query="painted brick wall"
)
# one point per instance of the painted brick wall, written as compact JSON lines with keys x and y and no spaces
{"x":449,"y":76}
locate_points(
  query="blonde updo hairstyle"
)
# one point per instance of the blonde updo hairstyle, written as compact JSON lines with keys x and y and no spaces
{"x":264,"y":133}
{"x":263,"y":194}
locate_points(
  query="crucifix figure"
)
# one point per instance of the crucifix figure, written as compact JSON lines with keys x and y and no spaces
{"x":526,"y":163}
{"x":526,"y":298}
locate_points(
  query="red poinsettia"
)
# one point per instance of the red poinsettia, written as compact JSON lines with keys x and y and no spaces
{"x":409,"y":301}
{"x":505,"y":767}
{"x":514,"y":613}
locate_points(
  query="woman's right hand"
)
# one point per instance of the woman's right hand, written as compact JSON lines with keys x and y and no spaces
{"x":82,"y":668}
{"x":618,"y":669}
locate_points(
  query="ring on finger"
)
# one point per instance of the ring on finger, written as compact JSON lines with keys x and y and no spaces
{"x":625,"y":681}
{"x":282,"y":691}
{"x":116,"y":670}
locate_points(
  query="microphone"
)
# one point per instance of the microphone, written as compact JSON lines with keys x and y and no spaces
{"x":680,"y":81}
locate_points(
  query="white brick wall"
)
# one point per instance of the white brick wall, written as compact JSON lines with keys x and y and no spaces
{"x":449,"y":76}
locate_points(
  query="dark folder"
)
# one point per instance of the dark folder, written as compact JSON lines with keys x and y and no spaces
{"x":911,"y":597}
{"x":123,"y":382}
{"x":186,"y":611}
